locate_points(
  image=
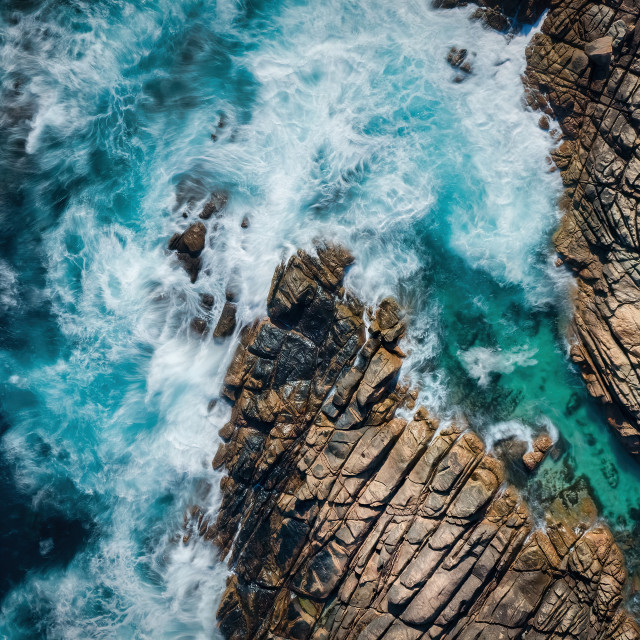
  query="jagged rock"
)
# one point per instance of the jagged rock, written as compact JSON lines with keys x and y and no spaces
{"x":227,"y":322}
{"x":199,"y":325}
{"x":216,"y":204}
{"x":618,"y":32}
{"x":189,"y":246}
{"x":207,"y":301}
{"x":500,"y":14}
{"x":388,"y":322}
{"x":493,"y":18}
{"x":595,"y":105}
{"x":190,"y":241}
{"x":457,"y":58}
{"x":344,"y":522}
{"x":600,"y":51}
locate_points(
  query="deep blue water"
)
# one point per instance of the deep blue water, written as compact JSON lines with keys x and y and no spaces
{"x":331,"y":119}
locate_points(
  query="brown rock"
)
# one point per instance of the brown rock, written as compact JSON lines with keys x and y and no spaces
{"x":532,"y":459}
{"x":343,"y":522}
{"x":492,"y":18}
{"x":456,"y":56}
{"x":215,"y":205}
{"x":542,"y":443}
{"x":189,"y":246}
{"x":227,"y":322}
{"x":594,"y":96}
{"x":600,"y":51}
{"x":190,"y":241}
{"x":199,"y":325}
{"x":541,"y":446}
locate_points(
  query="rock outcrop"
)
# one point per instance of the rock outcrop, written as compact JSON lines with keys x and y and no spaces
{"x":500,"y":15}
{"x":584,"y":68}
{"x":343,"y":520}
{"x":215,"y":204}
{"x":189,"y":245}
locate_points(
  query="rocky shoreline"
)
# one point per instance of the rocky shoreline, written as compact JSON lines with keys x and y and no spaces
{"x":584,"y":67}
{"x":344,"y":520}
{"x":347,"y":513}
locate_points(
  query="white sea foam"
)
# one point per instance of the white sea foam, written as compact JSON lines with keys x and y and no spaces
{"x":481,"y":362}
{"x":8,"y":286}
{"x":509,"y":429}
{"x":354,"y":134}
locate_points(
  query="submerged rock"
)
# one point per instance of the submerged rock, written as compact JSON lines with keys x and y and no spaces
{"x":207,"y":301}
{"x":343,"y":521}
{"x":458,"y":59}
{"x":199,"y":325}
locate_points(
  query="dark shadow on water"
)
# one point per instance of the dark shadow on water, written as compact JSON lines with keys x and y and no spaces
{"x":43,"y":534}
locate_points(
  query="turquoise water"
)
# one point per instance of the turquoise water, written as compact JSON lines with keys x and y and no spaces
{"x":338,"y":120}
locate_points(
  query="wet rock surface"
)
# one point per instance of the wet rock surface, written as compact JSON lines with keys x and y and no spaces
{"x":227,"y":322}
{"x":541,"y":446}
{"x":584,"y":67}
{"x":215,"y":204}
{"x":500,"y":14}
{"x":189,"y":245}
{"x":343,"y":520}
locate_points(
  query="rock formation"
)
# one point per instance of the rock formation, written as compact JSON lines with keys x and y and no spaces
{"x":189,"y":245}
{"x":343,"y":520}
{"x":584,"y":69}
{"x":500,"y":14}
{"x":215,"y":205}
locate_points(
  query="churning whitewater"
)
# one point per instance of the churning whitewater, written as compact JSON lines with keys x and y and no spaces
{"x":321,"y":120}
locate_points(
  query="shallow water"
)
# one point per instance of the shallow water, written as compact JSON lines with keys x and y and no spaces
{"x":330,"y":121}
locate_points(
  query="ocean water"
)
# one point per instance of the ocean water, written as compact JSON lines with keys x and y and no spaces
{"x":322,"y":120}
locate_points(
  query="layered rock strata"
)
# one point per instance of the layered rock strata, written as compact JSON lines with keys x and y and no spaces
{"x":343,"y":520}
{"x":584,"y":68}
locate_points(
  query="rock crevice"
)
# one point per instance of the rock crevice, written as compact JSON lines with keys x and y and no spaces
{"x":584,"y":66}
{"x":342,"y":520}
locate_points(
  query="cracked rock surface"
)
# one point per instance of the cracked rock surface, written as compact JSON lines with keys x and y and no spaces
{"x":343,"y":520}
{"x":585,"y":66}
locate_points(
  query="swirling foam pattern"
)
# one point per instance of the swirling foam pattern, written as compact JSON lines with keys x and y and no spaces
{"x":339,"y":120}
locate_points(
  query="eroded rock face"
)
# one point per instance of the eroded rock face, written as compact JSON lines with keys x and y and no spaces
{"x":343,"y":521}
{"x":585,"y":67}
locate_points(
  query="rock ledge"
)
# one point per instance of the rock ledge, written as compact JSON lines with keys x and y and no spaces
{"x":342,"y":521}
